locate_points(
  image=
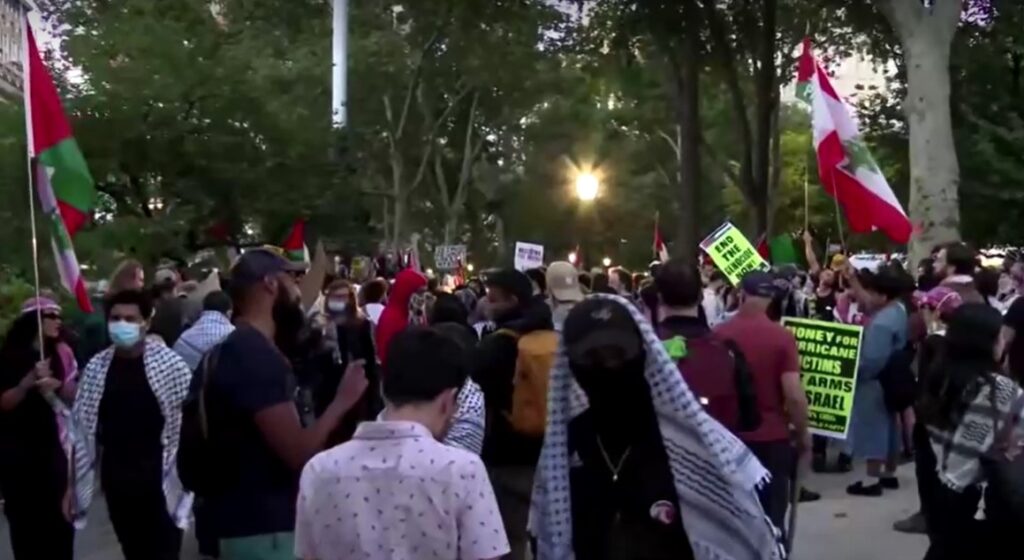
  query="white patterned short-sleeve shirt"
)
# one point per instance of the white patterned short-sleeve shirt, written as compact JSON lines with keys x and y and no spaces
{"x":395,"y":492}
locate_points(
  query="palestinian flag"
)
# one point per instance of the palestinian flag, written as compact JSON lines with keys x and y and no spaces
{"x":294,"y":245}
{"x":61,"y":177}
{"x":845,"y":166}
{"x":660,"y":250}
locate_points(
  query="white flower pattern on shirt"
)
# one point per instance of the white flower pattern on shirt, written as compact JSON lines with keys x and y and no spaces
{"x":395,"y":492}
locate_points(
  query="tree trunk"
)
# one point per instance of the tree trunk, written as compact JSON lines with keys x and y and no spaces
{"x":451,"y":226}
{"x":688,"y":137}
{"x":927,"y":35}
{"x":398,"y":217}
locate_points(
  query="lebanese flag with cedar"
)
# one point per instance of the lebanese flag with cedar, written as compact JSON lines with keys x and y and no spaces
{"x":66,"y":190}
{"x":845,"y":166}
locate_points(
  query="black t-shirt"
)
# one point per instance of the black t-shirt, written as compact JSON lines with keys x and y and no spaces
{"x":31,"y":456}
{"x":617,"y":520}
{"x":130,"y":427}
{"x":258,"y":490}
{"x":1015,"y":320}
{"x":824,"y":306}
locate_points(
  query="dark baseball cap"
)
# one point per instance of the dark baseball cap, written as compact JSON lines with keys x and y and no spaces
{"x":513,"y":282}
{"x":760,"y":283}
{"x":256,"y":264}
{"x":599,"y":323}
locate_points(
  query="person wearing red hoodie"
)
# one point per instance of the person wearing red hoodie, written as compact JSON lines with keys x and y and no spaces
{"x":395,"y":316}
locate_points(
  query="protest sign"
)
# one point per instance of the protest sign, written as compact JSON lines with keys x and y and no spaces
{"x":829,"y":355}
{"x":732,"y":253}
{"x":528,"y":255}
{"x":449,"y":257}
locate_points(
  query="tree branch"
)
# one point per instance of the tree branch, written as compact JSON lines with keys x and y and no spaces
{"x":414,"y":82}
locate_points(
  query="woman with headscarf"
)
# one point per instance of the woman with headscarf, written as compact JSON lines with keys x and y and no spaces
{"x":34,"y":446}
{"x":974,"y":420}
{"x":395,"y":316}
{"x":664,"y":481}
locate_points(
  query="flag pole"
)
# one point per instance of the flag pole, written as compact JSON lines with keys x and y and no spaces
{"x":807,"y":198}
{"x":30,"y":168}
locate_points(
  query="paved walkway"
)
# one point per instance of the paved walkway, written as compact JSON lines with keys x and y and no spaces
{"x":839,"y":527}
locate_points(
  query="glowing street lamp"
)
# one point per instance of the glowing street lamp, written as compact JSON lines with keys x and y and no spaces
{"x":587,"y":186}
{"x":607,"y":262}
{"x":573,"y":257}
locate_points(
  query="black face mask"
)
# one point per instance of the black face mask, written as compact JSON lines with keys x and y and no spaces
{"x":619,"y":387}
{"x":288,"y":322}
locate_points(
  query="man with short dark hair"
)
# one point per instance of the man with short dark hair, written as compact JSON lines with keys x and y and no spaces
{"x":213,"y":326}
{"x":394,"y":490}
{"x":510,"y":455}
{"x":956,"y":264}
{"x":680,"y":294}
{"x":129,"y":403}
{"x":621,"y":280}
{"x":254,"y":426}
{"x":771,"y":351}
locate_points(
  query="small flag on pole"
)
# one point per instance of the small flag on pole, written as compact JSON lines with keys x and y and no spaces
{"x":61,"y":177}
{"x":660,"y":250}
{"x":294,"y":245}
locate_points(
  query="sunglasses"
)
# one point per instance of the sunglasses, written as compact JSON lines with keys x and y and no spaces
{"x":52,"y":316}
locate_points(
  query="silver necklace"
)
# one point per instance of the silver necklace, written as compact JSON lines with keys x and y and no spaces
{"x":615,"y":470}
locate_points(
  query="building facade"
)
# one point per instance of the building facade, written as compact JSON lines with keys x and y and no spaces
{"x":10,"y":48}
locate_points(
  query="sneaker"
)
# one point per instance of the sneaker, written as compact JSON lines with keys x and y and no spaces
{"x":914,"y":525}
{"x":890,"y":483}
{"x":859,"y":489}
{"x":808,"y":496}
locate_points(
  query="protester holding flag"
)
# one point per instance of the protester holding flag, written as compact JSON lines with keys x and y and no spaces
{"x":34,"y":454}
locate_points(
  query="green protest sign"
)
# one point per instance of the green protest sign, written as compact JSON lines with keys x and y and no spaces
{"x":829,"y":355}
{"x":732,"y":252}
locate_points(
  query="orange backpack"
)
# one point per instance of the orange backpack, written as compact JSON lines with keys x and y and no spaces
{"x":535,"y":358}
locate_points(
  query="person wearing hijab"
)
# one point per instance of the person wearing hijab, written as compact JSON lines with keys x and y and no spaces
{"x":975,"y":426}
{"x":34,"y":447}
{"x":395,"y":316}
{"x":662,"y":482}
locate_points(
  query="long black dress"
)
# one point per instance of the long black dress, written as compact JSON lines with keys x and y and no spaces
{"x":33,"y":465}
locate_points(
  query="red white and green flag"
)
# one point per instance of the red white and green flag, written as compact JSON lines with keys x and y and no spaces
{"x":62,"y":180}
{"x":845,"y":166}
{"x":294,"y":245}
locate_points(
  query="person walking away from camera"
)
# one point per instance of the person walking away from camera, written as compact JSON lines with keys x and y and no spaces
{"x":394,"y":490}
{"x":771,"y":352}
{"x":873,"y":434}
{"x":129,"y":402}
{"x":395,"y":316}
{"x":347,"y":338}
{"x":511,"y":447}
{"x":975,"y":429}
{"x":374,"y":294}
{"x":564,"y":284}
{"x":450,"y":317}
{"x":213,"y":326}
{"x":35,"y":451}
{"x":648,"y":484}
{"x":259,"y":444}
{"x":168,"y":309}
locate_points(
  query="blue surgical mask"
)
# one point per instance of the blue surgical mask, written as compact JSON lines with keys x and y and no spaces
{"x":124,"y":334}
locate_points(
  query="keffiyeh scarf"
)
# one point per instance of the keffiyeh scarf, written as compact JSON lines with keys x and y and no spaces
{"x":169,"y":378}
{"x":961,"y":451}
{"x":716,"y":476}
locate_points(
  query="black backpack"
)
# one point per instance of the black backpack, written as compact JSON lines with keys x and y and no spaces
{"x":899,"y":386}
{"x":197,"y":463}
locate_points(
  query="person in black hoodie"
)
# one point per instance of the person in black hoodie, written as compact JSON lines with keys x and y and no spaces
{"x":510,"y":457}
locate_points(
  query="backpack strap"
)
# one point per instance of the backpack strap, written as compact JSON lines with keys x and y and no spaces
{"x":207,"y":366}
{"x":509,"y":333}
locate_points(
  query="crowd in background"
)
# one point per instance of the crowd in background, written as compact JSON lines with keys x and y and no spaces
{"x":540,"y":413}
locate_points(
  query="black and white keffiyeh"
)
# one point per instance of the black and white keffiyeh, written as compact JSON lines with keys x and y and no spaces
{"x":960,"y":452}
{"x":716,"y":476}
{"x":169,"y":377}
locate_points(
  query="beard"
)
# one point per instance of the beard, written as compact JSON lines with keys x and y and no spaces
{"x":288,"y":322}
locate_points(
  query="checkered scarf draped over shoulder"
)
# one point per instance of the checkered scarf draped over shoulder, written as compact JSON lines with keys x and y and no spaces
{"x":716,"y":476}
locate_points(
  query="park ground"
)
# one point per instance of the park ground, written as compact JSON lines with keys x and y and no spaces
{"x":839,"y":527}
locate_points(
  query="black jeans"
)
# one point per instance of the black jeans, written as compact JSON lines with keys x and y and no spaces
{"x":778,"y":457}
{"x":141,"y":522}
{"x":38,"y":528}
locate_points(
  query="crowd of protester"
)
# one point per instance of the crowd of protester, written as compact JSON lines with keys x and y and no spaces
{"x":546,"y":414}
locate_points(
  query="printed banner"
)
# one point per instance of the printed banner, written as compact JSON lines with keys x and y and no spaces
{"x":732,"y":253}
{"x":829,"y":355}
{"x":528,"y":256}
{"x":449,"y":257}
